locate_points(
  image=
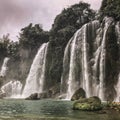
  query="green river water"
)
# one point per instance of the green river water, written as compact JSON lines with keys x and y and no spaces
{"x":47,"y":110}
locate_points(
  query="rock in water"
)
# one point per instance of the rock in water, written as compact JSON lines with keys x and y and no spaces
{"x":2,"y":95}
{"x":80,"y":93}
{"x":32,"y":97}
{"x":88,"y":104}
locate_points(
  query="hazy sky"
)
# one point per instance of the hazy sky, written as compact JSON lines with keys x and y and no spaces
{"x":16,"y":14}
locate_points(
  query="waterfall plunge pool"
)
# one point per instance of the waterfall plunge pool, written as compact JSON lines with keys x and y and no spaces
{"x":12,"y":109}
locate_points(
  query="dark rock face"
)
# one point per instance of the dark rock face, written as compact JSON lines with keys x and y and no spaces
{"x":88,"y":104}
{"x":80,"y":93}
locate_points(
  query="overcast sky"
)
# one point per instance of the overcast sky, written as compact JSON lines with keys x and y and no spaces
{"x":16,"y":14}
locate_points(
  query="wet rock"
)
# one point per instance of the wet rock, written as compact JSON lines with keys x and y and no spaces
{"x":80,"y":93}
{"x":2,"y":94}
{"x":33,"y":96}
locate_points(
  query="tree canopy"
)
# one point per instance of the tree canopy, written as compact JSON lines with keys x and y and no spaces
{"x":32,"y":36}
{"x":110,"y":8}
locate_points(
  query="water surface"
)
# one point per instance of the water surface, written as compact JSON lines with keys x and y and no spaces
{"x":47,"y":110}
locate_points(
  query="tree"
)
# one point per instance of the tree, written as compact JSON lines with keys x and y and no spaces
{"x":32,"y":36}
{"x":76,"y":16}
{"x":110,"y":8}
{"x":4,"y":42}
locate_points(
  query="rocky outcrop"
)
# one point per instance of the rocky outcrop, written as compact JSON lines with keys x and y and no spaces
{"x":88,"y":104}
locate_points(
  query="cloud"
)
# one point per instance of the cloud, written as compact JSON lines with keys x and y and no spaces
{"x":16,"y":14}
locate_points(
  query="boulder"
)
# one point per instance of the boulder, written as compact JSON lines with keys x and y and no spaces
{"x":88,"y":104}
{"x":33,"y":96}
{"x":38,"y":96}
{"x":43,"y":95}
{"x":80,"y":93}
{"x":2,"y":94}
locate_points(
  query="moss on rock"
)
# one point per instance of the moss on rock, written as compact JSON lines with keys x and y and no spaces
{"x":88,"y":104}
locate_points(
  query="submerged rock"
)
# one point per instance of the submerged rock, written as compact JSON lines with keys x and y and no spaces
{"x":80,"y":93}
{"x":88,"y":104}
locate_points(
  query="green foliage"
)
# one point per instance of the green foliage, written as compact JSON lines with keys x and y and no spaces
{"x":110,"y":8}
{"x":32,"y":36}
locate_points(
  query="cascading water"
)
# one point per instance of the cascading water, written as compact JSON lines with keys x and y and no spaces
{"x":71,"y":84}
{"x":86,"y":81}
{"x":84,"y":64}
{"x":102,"y":60}
{"x":117,"y":88}
{"x":35,"y":79}
{"x":77,"y":61}
{"x":4,"y":67}
{"x":12,"y":89}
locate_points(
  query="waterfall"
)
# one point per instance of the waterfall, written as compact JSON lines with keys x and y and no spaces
{"x":12,"y":89}
{"x":76,"y":72}
{"x":117,"y":88}
{"x":102,"y":60}
{"x":4,"y":67}
{"x":86,"y":81}
{"x":85,"y":57}
{"x":35,"y":79}
{"x":71,"y":83}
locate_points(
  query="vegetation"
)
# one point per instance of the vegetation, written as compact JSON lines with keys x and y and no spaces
{"x":4,"y":42}
{"x":33,"y":36}
{"x":110,"y":8}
